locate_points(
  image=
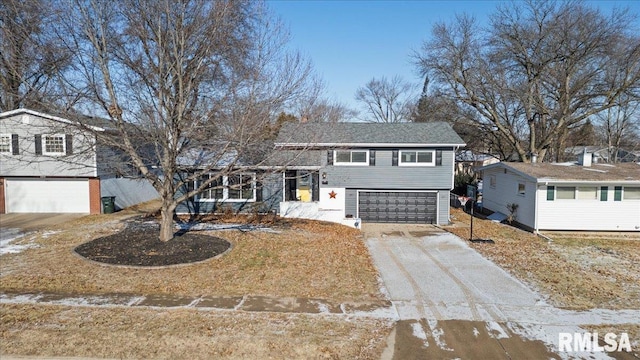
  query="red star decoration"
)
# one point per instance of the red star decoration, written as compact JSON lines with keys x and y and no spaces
{"x":332,"y":194}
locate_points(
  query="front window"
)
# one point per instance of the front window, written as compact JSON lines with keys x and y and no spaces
{"x":237,"y":187}
{"x":352,"y":157}
{"x":631,"y":193}
{"x":53,"y":144}
{"x":417,"y":158}
{"x":521,"y":189}
{"x":587,"y":193}
{"x":5,"y":143}
{"x":565,"y":192}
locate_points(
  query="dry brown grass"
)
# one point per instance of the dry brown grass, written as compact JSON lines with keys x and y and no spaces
{"x":574,"y":271}
{"x":306,"y":259}
{"x":50,"y":330}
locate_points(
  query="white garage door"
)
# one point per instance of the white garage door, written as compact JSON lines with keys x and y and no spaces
{"x":47,"y":195}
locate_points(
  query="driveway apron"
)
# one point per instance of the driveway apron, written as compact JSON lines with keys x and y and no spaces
{"x":453,"y":303}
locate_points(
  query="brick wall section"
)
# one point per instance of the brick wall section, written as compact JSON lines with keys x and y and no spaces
{"x":2,"y":208}
{"x":95,"y":204}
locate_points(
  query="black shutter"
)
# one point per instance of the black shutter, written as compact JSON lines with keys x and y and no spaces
{"x":604,"y":190}
{"x":329,"y":157}
{"x":38,"y":144}
{"x":438,"y":157}
{"x":617,"y":193}
{"x":258,"y":191}
{"x":68,"y":139}
{"x":372,"y":158}
{"x":394,"y":158}
{"x":15,"y":150}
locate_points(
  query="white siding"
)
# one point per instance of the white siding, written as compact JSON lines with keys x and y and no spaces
{"x":506,"y":192}
{"x":595,"y":215}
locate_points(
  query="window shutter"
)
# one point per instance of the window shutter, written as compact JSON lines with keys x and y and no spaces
{"x":15,"y":150}
{"x":617,"y":195}
{"x":68,"y":139}
{"x":329,"y":157}
{"x":38,"y":144}
{"x":551,"y":192}
{"x":604,"y":193}
{"x":394,"y":158}
{"x":372,"y":158}
{"x":258,"y":191}
{"x":438,"y":157}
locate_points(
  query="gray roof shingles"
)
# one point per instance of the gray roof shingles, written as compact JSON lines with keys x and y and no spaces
{"x":596,"y":172}
{"x":433,"y":133}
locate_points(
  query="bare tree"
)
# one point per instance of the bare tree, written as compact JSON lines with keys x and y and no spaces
{"x":323,"y":110}
{"x":540,"y":68}
{"x":30,"y":55}
{"x":386,"y":101}
{"x":620,"y":128}
{"x":189,"y":87}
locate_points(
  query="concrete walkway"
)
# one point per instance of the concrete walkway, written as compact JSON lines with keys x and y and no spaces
{"x":239,"y":303}
{"x":441,"y":288}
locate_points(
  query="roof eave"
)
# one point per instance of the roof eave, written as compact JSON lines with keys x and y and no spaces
{"x":376,"y":145}
{"x":47,"y":116}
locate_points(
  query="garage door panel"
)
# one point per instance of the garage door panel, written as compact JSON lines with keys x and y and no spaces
{"x":47,"y":196}
{"x":398,"y":207}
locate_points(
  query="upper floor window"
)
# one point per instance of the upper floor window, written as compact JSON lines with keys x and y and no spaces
{"x":588,"y":193}
{"x":565,"y":192}
{"x":53,"y":144}
{"x":521,"y":189}
{"x":5,"y":144}
{"x":236,"y":187}
{"x":417,"y":158}
{"x":492,"y":181}
{"x":352,"y":157}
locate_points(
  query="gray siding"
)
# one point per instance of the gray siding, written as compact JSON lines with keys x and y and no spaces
{"x":128,"y":192}
{"x":351,"y":202}
{"x":385,"y":176}
{"x":81,"y":163}
{"x":443,"y":207}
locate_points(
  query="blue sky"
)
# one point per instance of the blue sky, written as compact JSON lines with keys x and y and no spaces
{"x":350,"y":42}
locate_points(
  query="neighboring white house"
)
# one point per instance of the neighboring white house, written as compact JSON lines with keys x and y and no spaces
{"x":48,"y":165}
{"x":549,"y":196}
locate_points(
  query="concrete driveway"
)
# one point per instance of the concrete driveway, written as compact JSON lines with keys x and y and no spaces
{"x":32,"y":222}
{"x":14,"y":226}
{"x":453,"y":303}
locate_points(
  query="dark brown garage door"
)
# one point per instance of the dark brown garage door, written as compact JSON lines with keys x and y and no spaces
{"x":398,"y":207}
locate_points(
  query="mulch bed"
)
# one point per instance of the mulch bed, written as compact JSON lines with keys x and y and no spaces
{"x":138,"y":245}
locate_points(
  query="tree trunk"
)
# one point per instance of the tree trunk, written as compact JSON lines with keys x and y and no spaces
{"x":166,"y":222}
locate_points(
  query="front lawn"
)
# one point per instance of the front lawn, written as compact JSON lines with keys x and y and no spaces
{"x":301,"y":259}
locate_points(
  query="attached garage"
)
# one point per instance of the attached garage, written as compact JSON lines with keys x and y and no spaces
{"x":36,"y":195}
{"x":417,"y":207}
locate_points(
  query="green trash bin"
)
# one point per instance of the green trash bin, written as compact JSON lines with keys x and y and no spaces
{"x":108,"y":204}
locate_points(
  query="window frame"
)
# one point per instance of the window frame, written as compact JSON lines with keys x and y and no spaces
{"x":401,"y":162}
{"x":582,"y":190}
{"x":522,"y":192}
{"x":492,"y":181}
{"x":54,"y":153}
{"x":350,"y":163}
{"x":226,"y":187}
{"x":10,"y":149}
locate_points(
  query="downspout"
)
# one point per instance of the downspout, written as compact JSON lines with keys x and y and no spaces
{"x":535,"y":213}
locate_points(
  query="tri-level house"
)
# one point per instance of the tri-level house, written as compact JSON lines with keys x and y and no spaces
{"x":49,"y":164}
{"x":393,"y":173}
{"x":348,"y":173}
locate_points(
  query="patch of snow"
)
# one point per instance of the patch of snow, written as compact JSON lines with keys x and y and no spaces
{"x":418,"y":332}
{"x":214,"y":227}
{"x":495,"y":330}
{"x":7,"y":237}
{"x":476,"y":332}
{"x":322,"y":307}
{"x":437,"y":333}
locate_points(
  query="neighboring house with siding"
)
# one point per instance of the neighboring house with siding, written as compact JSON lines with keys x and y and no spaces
{"x":49,"y":165}
{"x":351,"y":173}
{"x":582,"y":196}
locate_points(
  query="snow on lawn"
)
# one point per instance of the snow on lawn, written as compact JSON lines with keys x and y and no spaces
{"x":9,"y":237}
